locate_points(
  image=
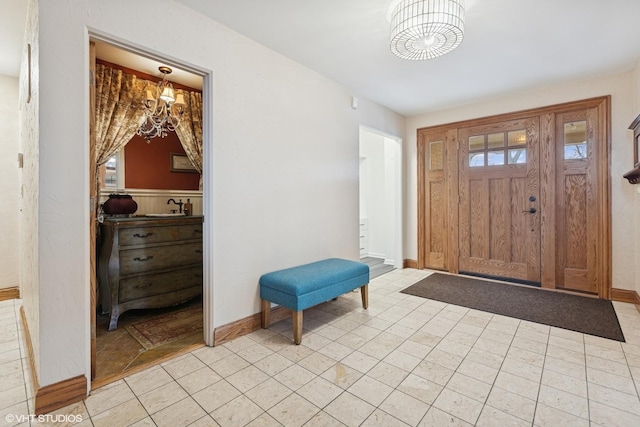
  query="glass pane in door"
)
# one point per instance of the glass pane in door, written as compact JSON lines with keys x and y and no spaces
{"x":575,"y":140}
{"x":517,"y":156}
{"x":517,"y":137}
{"x":476,"y":142}
{"x":495,"y":140}
{"x":436,"y":155}
{"x":495,"y":158}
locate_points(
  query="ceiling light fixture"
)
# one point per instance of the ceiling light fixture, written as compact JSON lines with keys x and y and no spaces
{"x":162,"y":109}
{"x":426,"y":29}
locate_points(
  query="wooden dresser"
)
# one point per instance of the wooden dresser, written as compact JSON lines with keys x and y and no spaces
{"x":149,"y":262}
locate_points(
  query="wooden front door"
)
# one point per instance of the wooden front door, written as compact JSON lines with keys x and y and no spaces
{"x":499,"y":220}
{"x":523,"y":196}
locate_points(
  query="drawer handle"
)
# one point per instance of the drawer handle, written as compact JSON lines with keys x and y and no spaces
{"x":197,"y":231}
{"x":142,"y":236}
{"x":143,"y":259}
{"x":145,"y":286}
{"x":198,"y":251}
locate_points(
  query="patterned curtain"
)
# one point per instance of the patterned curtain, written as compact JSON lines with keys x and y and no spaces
{"x":119,"y":110}
{"x":189,"y":130}
{"x":118,"y":114}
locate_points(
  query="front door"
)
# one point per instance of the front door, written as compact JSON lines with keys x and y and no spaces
{"x":499,"y":209}
{"x":522,"y":196}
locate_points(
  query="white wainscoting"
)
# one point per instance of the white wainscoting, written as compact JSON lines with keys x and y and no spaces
{"x":155,"y":201}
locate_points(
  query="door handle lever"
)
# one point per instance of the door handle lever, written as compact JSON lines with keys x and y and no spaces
{"x":531,"y":211}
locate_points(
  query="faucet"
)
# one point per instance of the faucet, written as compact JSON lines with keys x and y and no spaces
{"x":176,"y":203}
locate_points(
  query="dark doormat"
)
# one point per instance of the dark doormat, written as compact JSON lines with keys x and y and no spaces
{"x":577,"y":313}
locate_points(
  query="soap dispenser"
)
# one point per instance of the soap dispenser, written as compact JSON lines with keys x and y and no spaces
{"x":188,"y":208}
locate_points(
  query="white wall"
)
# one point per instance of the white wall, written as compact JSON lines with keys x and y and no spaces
{"x":10,"y":178}
{"x":284,"y":178}
{"x":624,"y":232}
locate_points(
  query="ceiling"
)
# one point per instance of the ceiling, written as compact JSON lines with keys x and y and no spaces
{"x":115,"y":55}
{"x":509,"y":45}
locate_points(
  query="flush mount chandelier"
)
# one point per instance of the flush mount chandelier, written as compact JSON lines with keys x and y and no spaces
{"x":426,"y":29}
{"x":163,"y":109}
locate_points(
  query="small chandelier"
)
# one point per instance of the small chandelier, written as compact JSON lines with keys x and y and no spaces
{"x":162,"y":109}
{"x":426,"y":29}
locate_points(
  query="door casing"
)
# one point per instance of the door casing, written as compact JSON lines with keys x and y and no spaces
{"x":207,"y":206}
{"x":441,"y":251}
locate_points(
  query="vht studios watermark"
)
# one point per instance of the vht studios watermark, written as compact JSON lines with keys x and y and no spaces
{"x":43,"y":418}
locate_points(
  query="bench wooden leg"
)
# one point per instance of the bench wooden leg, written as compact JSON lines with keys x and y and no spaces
{"x":297,"y":326}
{"x":266,"y":310}
{"x":364,"y":293}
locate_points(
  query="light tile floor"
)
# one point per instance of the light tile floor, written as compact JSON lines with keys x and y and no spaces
{"x":404,"y":361}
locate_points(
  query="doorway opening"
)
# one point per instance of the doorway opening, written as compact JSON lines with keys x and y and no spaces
{"x":380,"y":201}
{"x":144,"y":314}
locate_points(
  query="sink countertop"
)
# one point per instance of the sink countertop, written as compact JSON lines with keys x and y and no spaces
{"x":143,"y":218}
{"x":160,"y":215}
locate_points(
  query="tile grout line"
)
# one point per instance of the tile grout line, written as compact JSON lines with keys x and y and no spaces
{"x":544,"y":362}
{"x":493,"y":384}
{"x":586,"y":378}
{"x":456,"y":370}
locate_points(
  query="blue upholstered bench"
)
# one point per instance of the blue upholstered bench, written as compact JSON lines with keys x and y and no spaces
{"x":307,"y":285}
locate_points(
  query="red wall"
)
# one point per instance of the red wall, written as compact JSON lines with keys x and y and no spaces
{"x":149,"y":165}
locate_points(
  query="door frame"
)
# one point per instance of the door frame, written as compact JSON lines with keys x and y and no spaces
{"x":398,"y":256}
{"x":207,"y":184}
{"x":602,"y":231}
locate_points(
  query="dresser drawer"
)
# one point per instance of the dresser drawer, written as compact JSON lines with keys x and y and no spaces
{"x":159,"y":257}
{"x":146,"y":235}
{"x":157,"y":284}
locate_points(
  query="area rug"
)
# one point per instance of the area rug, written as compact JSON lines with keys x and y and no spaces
{"x":577,"y":313}
{"x":168,"y":327}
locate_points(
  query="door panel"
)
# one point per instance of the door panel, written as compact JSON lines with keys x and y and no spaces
{"x":477,"y":221}
{"x":499,"y":184}
{"x":433,"y":226}
{"x":519,"y":222}
{"x":437,"y":243}
{"x":576,"y":207}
